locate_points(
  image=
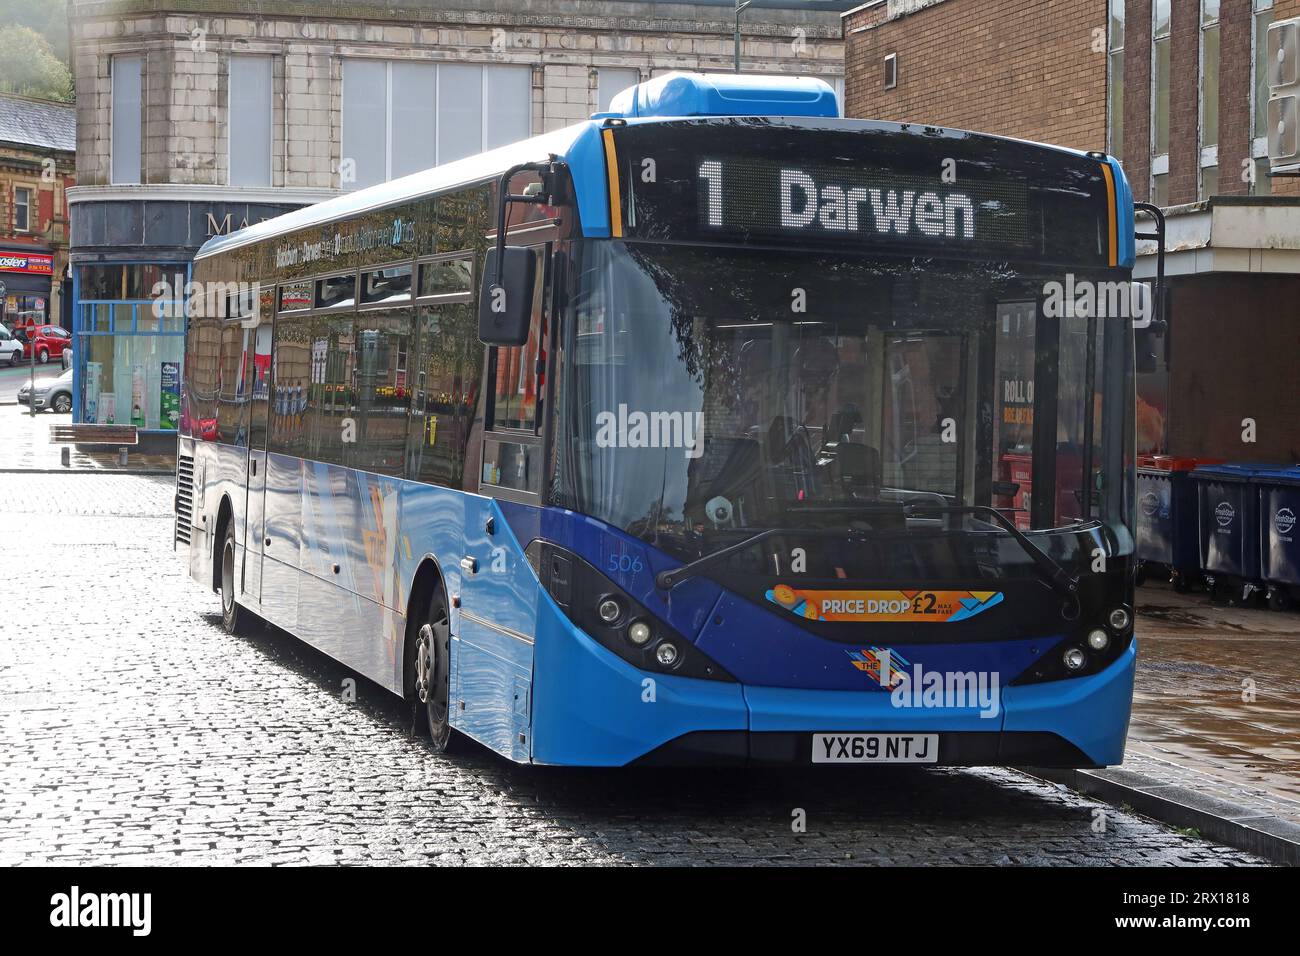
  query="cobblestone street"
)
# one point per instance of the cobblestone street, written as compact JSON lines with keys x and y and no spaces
{"x":134,"y":730}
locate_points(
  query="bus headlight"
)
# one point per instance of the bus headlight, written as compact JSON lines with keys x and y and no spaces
{"x":639,"y":633}
{"x":1074,"y":658}
{"x":1098,"y":639}
{"x":666,"y":654}
{"x":1118,"y":620}
{"x":614,"y":619}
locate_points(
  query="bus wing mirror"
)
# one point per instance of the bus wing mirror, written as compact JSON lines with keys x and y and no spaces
{"x":505,"y":302}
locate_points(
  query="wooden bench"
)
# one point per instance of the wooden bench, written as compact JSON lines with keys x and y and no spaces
{"x":87,"y":434}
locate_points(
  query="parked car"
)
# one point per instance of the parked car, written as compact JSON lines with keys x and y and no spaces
{"x":49,"y":341}
{"x":48,"y":393}
{"x":11,"y":348}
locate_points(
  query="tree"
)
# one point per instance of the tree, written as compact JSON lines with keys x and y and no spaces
{"x":29,"y":66}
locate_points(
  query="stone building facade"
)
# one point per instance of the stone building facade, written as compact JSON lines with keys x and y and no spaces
{"x":198,"y":116}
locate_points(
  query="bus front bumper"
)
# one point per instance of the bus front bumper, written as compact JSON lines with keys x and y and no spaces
{"x":593,"y":709}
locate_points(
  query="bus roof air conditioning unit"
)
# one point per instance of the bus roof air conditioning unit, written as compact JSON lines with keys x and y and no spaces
{"x":1283,"y":115}
{"x":724,"y":94}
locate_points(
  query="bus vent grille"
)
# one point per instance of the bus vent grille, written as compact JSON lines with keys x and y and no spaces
{"x":184,"y":497}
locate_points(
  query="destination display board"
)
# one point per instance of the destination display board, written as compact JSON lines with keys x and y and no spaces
{"x":862,"y":186}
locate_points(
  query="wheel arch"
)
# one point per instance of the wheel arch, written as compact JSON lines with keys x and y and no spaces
{"x":225,"y":513}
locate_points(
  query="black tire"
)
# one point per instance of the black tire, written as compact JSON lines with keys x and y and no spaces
{"x":16,"y":357}
{"x":43,"y":356}
{"x":234,"y":619}
{"x":62,"y":403}
{"x":431,"y":663}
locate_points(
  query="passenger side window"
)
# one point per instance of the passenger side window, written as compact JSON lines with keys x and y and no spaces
{"x":383,"y":390}
{"x":292,"y":379}
{"x":448,"y":370}
{"x":231,"y":386}
{"x":331,"y":390}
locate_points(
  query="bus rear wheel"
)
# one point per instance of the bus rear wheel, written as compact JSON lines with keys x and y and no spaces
{"x":234,"y":619}
{"x":433,"y":672}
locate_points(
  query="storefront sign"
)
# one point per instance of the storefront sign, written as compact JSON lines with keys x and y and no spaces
{"x":30,"y":263}
{"x":169,"y":414}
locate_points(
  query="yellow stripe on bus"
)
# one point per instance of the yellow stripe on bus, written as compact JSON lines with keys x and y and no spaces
{"x":1112,"y":212}
{"x":615,"y":201}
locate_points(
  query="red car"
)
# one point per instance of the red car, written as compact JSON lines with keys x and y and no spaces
{"x":49,"y":341}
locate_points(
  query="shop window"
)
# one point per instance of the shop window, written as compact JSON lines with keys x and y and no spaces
{"x":131,"y":379}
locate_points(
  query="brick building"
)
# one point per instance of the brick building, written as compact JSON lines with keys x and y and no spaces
{"x":37,"y":158}
{"x":197,"y":117}
{"x":1176,"y":89}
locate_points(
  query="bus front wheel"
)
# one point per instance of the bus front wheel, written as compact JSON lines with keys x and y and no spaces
{"x":433,"y":672}
{"x":234,"y":619}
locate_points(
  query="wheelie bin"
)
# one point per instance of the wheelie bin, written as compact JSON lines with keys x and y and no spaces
{"x":1227,"y":506}
{"x":1167,"y":524}
{"x":1278,"y":510}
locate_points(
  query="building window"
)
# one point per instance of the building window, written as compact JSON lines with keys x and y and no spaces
{"x":1160,"y":48}
{"x":1260,"y":184}
{"x":400,"y":118}
{"x":891,"y":71}
{"x":612,"y":81}
{"x":127,"y":87}
{"x":1209,"y":154}
{"x":249,"y":120}
{"x":22,"y":209}
{"x":1115,"y":84}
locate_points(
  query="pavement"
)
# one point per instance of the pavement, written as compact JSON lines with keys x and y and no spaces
{"x":25,"y":446}
{"x":1214,"y":742}
{"x":134,"y":730}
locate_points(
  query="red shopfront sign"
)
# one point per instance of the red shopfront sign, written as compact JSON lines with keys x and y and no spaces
{"x":25,"y":262}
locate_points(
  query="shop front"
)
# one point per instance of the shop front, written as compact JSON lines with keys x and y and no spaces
{"x":26,"y":278}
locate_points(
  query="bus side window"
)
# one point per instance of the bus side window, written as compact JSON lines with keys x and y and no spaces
{"x":448,"y":370}
{"x":330,"y":428}
{"x":232,"y":392}
{"x":383,"y":390}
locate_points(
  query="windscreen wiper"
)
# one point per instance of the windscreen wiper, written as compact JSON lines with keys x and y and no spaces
{"x":1053,"y":574}
{"x":1060,"y":580}
{"x":669,"y":579}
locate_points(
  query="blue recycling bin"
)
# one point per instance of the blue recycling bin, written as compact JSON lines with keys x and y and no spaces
{"x":1167,"y":517}
{"x":1278,"y":511}
{"x":1228,"y":525}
